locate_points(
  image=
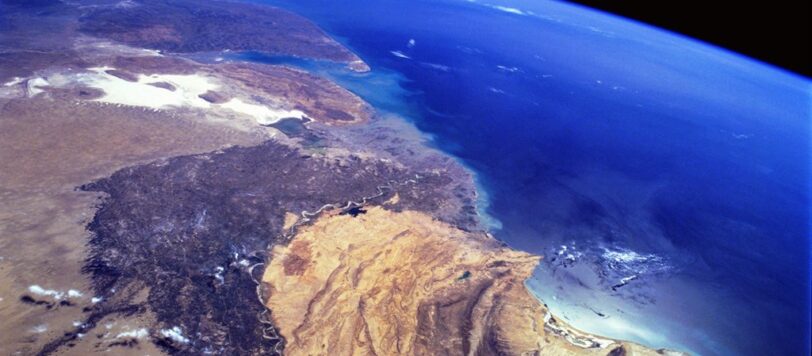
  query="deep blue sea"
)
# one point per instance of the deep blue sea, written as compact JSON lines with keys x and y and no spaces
{"x":665,"y":181}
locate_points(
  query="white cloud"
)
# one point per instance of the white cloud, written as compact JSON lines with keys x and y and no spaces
{"x":135,"y":334}
{"x":36,"y":289}
{"x":511,"y":10}
{"x":400,"y":54}
{"x":175,"y":334}
{"x":508,"y":69}
{"x":12,"y":82}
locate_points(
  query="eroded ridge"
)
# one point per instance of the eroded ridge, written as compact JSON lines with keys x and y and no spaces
{"x":178,"y":238}
{"x":385,"y":282}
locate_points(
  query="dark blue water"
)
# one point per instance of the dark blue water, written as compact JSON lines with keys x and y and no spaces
{"x":665,"y":181}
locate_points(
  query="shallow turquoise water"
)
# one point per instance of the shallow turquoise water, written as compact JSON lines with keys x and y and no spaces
{"x":665,"y":181}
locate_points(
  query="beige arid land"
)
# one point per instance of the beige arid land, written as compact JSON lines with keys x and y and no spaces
{"x":403,"y":283}
{"x":140,"y":189}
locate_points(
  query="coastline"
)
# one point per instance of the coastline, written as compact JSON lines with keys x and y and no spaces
{"x":648,"y":308}
{"x":356,"y":146}
{"x":389,"y":94}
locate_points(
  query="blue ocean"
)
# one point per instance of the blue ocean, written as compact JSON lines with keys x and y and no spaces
{"x":665,"y":181}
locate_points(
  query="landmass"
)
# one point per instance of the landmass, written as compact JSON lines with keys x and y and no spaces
{"x":154,"y":204}
{"x":386,"y":283}
{"x":192,"y":26}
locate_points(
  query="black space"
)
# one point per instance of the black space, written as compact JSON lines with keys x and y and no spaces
{"x":776,"y":32}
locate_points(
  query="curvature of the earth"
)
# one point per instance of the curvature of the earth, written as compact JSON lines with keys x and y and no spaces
{"x":227,"y":178}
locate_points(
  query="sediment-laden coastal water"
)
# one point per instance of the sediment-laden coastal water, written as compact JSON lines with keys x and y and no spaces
{"x":663,"y":180}
{"x":161,"y":194}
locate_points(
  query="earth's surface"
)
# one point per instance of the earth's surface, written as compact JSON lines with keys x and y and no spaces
{"x":393,"y":177}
